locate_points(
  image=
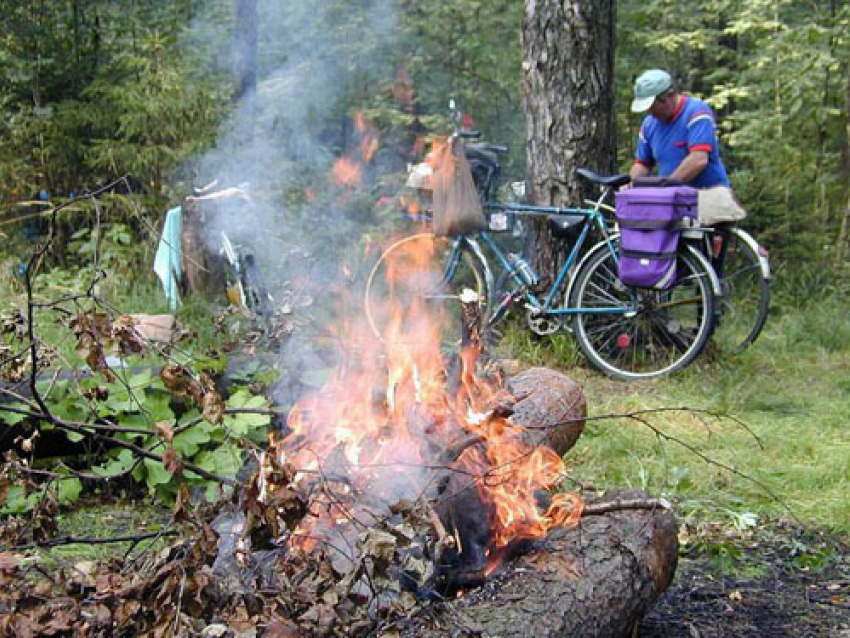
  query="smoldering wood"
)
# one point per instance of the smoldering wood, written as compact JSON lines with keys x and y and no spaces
{"x":597,"y":579}
{"x":551,"y":408}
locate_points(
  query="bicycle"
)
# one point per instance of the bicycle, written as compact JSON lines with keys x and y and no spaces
{"x":628,"y":333}
{"x":243,"y":285}
{"x":737,"y":270}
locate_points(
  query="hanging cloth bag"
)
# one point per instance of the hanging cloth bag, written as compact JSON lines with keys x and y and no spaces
{"x":457,"y":209}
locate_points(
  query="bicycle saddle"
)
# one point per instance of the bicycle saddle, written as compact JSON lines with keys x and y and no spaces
{"x":612,"y":181}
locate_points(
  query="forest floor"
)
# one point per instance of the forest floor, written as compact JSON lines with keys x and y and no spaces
{"x":770,"y":591}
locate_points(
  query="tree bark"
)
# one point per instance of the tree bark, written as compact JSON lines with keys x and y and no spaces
{"x":568,"y":95}
{"x":202,"y":270}
{"x":551,"y":406}
{"x":598,"y":579}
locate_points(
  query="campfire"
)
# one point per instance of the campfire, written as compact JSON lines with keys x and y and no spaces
{"x":409,"y":478}
{"x":393,"y":441}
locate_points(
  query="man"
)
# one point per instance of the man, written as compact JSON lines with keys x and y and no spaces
{"x":679,"y":138}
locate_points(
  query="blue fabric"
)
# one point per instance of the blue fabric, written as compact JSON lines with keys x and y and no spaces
{"x":168,"y":262}
{"x":666,"y":144}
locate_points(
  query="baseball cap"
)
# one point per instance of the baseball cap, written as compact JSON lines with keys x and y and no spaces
{"x":649,"y":85}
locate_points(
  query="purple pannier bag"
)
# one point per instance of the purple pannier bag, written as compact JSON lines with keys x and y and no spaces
{"x":650,"y":221}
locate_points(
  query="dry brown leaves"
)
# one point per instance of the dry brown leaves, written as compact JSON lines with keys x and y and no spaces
{"x":364,"y":578}
{"x":98,"y":333}
{"x":199,"y":389}
{"x":38,"y":525}
{"x":15,"y":364}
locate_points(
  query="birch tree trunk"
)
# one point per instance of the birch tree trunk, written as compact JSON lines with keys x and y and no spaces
{"x":568,"y":95}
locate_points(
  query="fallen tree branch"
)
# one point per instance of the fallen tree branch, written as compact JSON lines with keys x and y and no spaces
{"x":90,"y":540}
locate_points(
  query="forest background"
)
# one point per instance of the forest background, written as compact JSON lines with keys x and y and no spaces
{"x":96,"y":89}
{"x":92,"y":90}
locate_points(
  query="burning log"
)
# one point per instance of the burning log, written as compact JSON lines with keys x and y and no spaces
{"x":597,"y":579}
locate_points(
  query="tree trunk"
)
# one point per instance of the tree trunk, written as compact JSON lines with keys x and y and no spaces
{"x":598,"y":579}
{"x":841,"y":241}
{"x":245,"y":57}
{"x":568,"y":95}
{"x":202,"y":269}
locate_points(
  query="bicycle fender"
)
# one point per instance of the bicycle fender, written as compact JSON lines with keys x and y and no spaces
{"x":707,"y":267}
{"x":489,"y":281}
{"x":764,"y":264}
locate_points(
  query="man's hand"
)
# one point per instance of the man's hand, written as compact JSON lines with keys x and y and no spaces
{"x":637,"y":171}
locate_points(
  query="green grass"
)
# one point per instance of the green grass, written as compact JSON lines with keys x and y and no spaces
{"x":779,"y":415}
{"x":103,"y":520}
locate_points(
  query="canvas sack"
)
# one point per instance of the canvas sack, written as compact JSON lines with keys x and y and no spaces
{"x":718,"y":204}
{"x":457,"y":209}
{"x":651,"y":220}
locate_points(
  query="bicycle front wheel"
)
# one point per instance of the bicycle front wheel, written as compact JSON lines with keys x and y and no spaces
{"x":745,"y":296}
{"x":640,"y":333}
{"x":415,"y":286}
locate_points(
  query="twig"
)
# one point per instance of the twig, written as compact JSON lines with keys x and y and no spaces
{"x":452,"y":453}
{"x":85,"y":429}
{"x":711,"y":461}
{"x":72,"y":473}
{"x":604,"y":507}
{"x":36,"y":257}
{"x":89,"y":540}
{"x":639,"y":413}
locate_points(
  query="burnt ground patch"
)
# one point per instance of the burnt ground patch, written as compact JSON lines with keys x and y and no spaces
{"x":784,"y":582}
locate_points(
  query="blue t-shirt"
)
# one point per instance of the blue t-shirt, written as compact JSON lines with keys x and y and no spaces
{"x":666,"y":144}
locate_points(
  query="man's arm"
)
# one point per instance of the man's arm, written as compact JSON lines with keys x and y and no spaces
{"x":691,"y":166}
{"x":639,"y":170}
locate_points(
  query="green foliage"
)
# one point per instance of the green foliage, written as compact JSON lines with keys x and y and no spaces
{"x":64,"y":490}
{"x":144,"y":415}
{"x":100,"y":89}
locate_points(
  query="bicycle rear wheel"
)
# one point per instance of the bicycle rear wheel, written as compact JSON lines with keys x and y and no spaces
{"x":415,"y":285}
{"x":647,"y":333}
{"x":745,"y":299}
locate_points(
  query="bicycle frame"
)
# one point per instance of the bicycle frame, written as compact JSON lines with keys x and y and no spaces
{"x":545,"y":305}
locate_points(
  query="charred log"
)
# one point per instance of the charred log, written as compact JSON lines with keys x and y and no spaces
{"x":598,"y":579}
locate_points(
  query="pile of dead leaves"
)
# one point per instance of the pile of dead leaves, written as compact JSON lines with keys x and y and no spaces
{"x":238,"y":574}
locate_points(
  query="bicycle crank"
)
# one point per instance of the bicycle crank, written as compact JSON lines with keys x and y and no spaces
{"x":542,"y":325}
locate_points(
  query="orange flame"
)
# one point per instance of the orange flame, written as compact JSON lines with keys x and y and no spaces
{"x":379,"y":426}
{"x":368,"y":137}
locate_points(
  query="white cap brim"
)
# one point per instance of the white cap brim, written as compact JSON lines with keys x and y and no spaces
{"x":641,"y":104}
